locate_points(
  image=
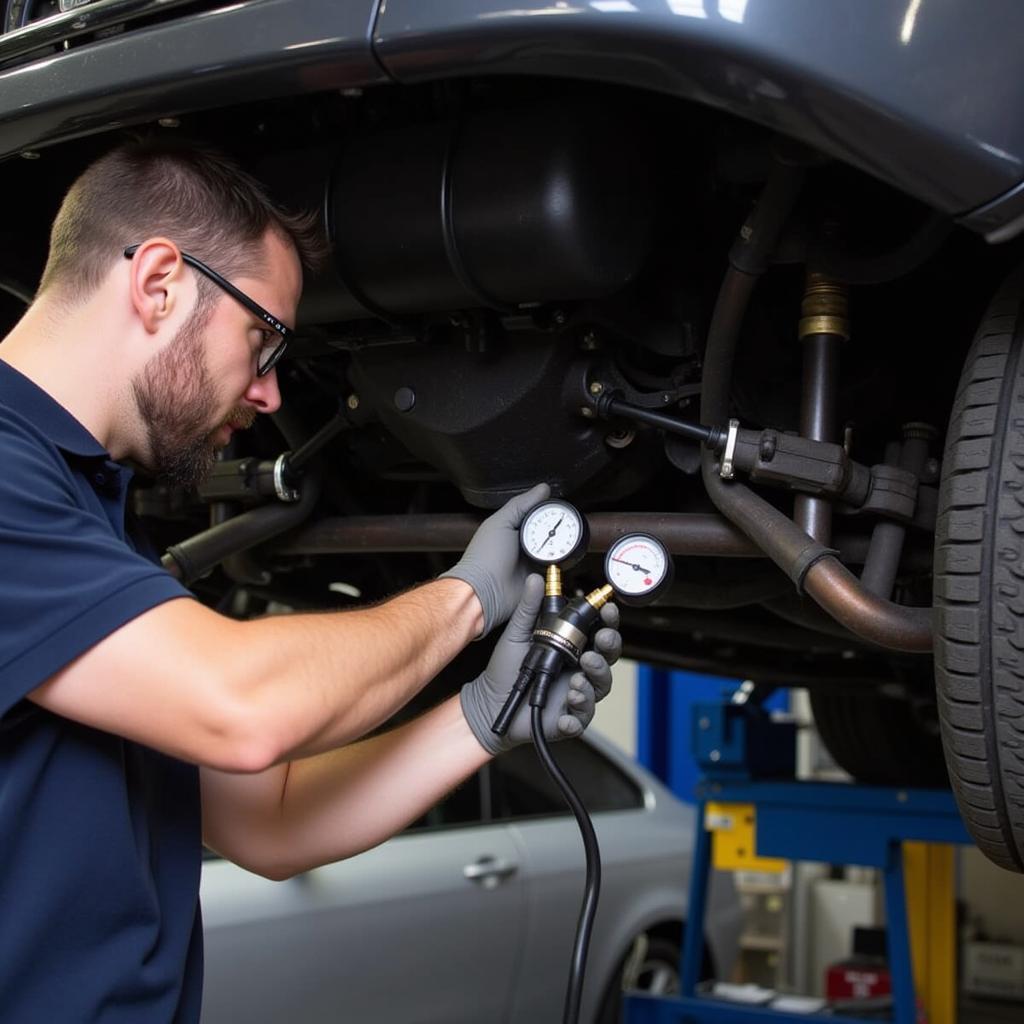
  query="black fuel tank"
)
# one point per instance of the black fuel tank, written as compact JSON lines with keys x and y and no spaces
{"x":503,"y":210}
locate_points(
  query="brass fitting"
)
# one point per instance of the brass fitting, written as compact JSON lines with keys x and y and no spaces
{"x":824,"y":308}
{"x":600,"y":597}
{"x":553,"y":582}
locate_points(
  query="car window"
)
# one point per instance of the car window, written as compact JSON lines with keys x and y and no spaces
{"x":521,"y":787}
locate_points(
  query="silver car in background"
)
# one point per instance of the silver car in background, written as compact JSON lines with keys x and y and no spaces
{"x":468,"y":916}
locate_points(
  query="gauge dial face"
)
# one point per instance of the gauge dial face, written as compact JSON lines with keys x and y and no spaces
{"x":638,"y":567}
{"x":553,"y":533}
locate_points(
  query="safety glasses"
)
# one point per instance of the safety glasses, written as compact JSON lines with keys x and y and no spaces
{"x":272,"y":350}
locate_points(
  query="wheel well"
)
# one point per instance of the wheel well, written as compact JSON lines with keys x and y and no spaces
{"x":673,"y":932}
{"x":670,"y":931}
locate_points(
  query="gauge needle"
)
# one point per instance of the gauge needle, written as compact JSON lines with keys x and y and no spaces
{"x":551,"y":532}
{"x":632,"y":565}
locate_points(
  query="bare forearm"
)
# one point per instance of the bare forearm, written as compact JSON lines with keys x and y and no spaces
{"x":325,"y":680}
{"x":325,"y":808}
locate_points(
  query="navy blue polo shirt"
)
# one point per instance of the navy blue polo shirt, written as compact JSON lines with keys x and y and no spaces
{"x":100,"y":838}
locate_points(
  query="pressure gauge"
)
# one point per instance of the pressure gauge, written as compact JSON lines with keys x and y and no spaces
{"x":639,"y":567}
{"x":554,"y":533}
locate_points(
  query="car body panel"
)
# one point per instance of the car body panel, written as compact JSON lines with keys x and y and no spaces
{"x":233,"y":54}
{"x":869,"y":83}
{"x":397,"y":935}
{"x":399,"y":930}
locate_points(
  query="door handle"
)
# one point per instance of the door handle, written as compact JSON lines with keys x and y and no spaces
{"x":489,"y":871}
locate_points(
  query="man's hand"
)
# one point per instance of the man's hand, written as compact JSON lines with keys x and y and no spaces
{"x":571,"y":697}
{"x":492,"y":565}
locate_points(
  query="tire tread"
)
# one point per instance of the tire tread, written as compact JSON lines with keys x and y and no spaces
{"x":979,"y":648}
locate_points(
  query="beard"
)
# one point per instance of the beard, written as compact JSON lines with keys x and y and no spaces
{"x":176,"y":400}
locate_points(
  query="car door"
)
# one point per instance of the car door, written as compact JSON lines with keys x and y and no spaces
{"x":424,"y":928}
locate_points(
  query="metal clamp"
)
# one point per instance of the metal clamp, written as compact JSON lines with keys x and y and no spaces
{"x":282,"y":489}
{"x":727,"y":472}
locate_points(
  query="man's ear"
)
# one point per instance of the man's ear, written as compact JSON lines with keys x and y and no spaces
{"x":157,"y":281}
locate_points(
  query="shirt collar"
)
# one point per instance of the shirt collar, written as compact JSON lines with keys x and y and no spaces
{"x":25,"y":397}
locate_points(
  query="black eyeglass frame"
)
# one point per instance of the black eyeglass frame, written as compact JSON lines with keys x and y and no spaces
{"x":239,"y":296}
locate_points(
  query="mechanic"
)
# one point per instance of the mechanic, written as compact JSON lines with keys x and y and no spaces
{"x":137,"y":723}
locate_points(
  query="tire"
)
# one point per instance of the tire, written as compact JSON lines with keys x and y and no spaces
{"x":657,"y":973}
{"x":879,"y":739}
{"x":979,"y":585}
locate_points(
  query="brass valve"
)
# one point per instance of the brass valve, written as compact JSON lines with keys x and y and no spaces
{"x":600,"y":597}
{"x":824,"y":309}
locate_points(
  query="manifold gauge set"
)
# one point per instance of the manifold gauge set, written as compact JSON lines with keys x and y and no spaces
{"x":638,"y":566}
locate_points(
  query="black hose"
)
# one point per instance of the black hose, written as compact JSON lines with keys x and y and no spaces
{"x":195,"y":557}
{"x":723,"y":334}
{"x":592,"y":888}
{"x":886,"y":266}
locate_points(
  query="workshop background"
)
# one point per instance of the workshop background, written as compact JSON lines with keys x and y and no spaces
{"x":799,"y":923}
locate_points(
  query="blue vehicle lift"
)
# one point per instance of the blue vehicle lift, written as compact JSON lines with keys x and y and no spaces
{"x":735,"y":743}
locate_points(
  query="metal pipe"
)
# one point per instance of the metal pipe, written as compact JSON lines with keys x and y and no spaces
{"x":886,"y":550}
{"x":879,"y":574}
{"x":682,"y":534}
{"x":839,"y":592}
{"x":817,"y":423}
{"x":691,"y":431}
{"x":685,"y":534}
{"x":823,"y":326}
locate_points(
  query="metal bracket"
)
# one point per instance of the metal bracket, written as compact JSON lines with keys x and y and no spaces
{"x":727,"y":471}
{"x":281,"y":488}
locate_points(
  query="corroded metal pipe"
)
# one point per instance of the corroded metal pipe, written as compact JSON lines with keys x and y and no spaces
{"x":681,"y":533}
{"x":840,"y":593}
{"x":687,"y":534}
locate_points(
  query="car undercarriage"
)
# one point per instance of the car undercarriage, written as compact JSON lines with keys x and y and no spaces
{"x":461,"y":347}
{"x":540,"y":278}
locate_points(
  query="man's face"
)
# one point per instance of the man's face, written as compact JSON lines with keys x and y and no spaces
{"x":178,"y":403}
{"x":202,"y":385}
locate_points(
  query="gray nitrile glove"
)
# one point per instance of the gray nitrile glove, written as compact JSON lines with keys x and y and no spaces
{"x":492,"y":565}
{"x":571,"y":697}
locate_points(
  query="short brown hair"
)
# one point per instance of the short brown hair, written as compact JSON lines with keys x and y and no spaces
{"x":189,"y":193}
